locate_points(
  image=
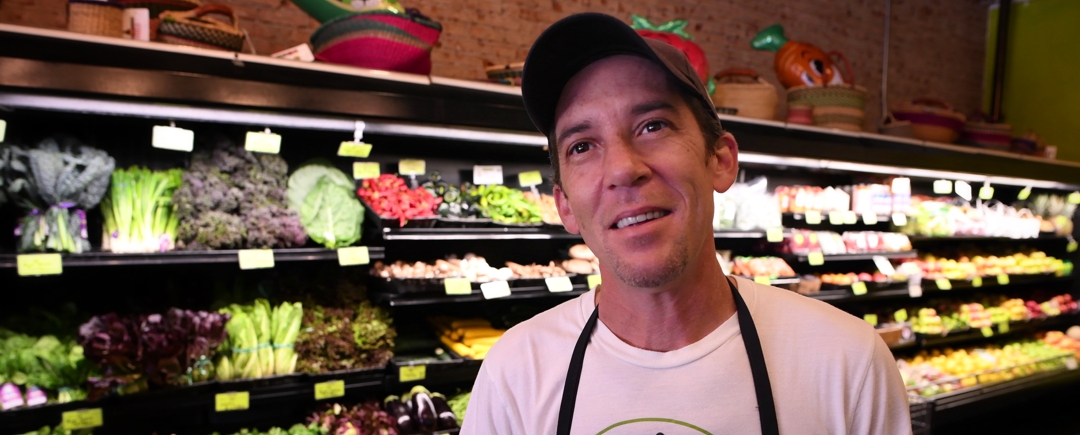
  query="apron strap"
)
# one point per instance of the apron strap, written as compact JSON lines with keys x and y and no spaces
{"x":760,"y":373}
{"x":573,"y":375}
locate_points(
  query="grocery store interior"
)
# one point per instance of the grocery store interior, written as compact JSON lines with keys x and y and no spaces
{"x":315,"y":216}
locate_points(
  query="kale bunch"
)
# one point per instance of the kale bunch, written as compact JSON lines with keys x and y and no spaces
{"x":233,"y":199}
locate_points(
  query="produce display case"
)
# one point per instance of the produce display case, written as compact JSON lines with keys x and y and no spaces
{"x":455,"y":125}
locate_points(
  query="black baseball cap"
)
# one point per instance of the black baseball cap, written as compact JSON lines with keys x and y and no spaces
{"x":574,"y":42}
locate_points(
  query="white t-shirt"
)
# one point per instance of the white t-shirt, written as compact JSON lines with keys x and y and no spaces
{"x":830,"y":374}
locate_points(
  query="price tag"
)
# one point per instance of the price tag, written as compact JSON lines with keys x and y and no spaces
{"x":172,"y":138}
{"x":813,"y":217}
{"x":942,"y":187}
{"x":364,"y":170}
{"x":763,"y":280}
{"x":943,"y":284}
{"x":859,"y":288}
{"x":1070,"y":363}
{"x":457,"y":286}
{"x":1024,"y":194}
{"x":899,"y":219}
{"x":815,"y":258}
{"x":530,"y":178}
{"x":490,"y":174}
{"x":411,"y":167}
{"x":869,"y":218}
{"x":39,"y":264}
{"x":987,"y":331}
{"x":871,"y":319}
{"x":1003,"y":327}
{"x":256,"y":259}
{"x":976,"y":281}
{"x":236,"y":401}
{"x":353,"y":256}
{"x":774,"y":235}
{"x":495,"y":290}
{"x":263,"y":142}
{"x":3,"y":129}
{"x":558,"y":284}
{"x":986,"y":192}
{"x":836,"y":218}
{"x":82,"y":419}
{"x":1071,"y":247}
{"x":963,"y":190}
{"x":884,"y":265}
{"x":901,"y":315}
{"x":850,"y":218}
{"x":1074,"y":198}
{"x":594,"y":280}
{"x":329,"y":389}
{"x":1003,"y":279}
{"x":412,"y":373}
{"x":914,"y":288}
{"x":354,"y":149}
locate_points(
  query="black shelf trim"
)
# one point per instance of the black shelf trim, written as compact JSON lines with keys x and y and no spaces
{"x":802,"y":258}
{"x":91,"y":259}
{"x":516,"y":293}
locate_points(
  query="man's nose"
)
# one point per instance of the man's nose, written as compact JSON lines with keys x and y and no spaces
{"x":624,"y":166}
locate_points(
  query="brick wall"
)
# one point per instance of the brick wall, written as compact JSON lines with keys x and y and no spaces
{"x":937,"y":47}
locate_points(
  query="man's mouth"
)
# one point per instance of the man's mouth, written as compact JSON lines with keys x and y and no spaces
{"x":639,"y":219}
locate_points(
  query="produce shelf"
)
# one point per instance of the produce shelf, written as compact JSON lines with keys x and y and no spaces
{"x":991,"y":283}
{"x":979,"y":393}
{"x":516,"y":293}
{"x":90,"y":259}
{"x":513,"y":233}
{"x":930,"y":289}
{"x":1015,"y":328}
{"x":1042,"y":237}
{"x":802,"y":258}
{"x":846,"y":295}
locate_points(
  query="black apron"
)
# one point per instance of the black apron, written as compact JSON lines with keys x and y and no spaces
{"x":762,"y":388}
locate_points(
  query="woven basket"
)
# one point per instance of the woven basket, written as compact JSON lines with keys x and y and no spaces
{"x":932,"y":120}
{"x":840,"y":106}
{"x":752,"y":96}
{"x":96,"y":18}
{"x":192,"y":28}
{"x":156,"y":7}
{"x":839,"y":117}
{"x":379,"y":40}
{"x":509,"y":73}
{"x":892,"y":127}
{"x":987,"y":135}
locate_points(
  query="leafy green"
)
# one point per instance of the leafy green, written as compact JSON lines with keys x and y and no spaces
{"x":242,"y":345}
{"x":45,"y":362}
{"x":139,"y":214}
{"x":303,"y":180}
{"x":332,"y":215}
{"x":285,"y":322}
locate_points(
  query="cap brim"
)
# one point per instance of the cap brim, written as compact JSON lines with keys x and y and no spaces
{"x":567,"y":47}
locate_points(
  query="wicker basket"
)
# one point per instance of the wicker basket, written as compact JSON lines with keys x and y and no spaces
{"x":840,"y":106}
{"x":509,"y":73}
{"x":96,"y":18}
{"x":932,"y":120}
{"x":839,"y":117}
{"x":744,"y":90}
{"x":379,"y":40}
{"x":192,"y":28}
{"x":987,"y":135}
{"x":892,"y":127}
{"x":156,"y":7}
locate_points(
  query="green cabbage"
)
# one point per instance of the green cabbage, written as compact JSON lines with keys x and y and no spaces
{"x":331,"y":214}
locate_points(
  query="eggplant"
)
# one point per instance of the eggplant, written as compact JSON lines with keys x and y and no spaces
{"x":423,"y":410}
{"x":446,"y":416}
{"x":393,"y":406}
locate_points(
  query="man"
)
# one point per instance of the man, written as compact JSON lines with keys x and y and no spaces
{"x":667,"y":344}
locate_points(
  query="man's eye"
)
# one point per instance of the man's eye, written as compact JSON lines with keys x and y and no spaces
{"x":579,"y":147}
{"x":653,"y":127}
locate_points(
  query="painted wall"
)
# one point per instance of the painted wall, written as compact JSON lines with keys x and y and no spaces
{"x":1042,"y":76}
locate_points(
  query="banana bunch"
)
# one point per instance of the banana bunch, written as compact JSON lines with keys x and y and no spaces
{"x":470,"y":338}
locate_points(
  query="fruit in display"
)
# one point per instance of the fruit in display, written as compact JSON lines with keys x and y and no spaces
{"x":1015,"y":309}
{"x":927,"y":322}
{"x":940,"y":371}
{"x":975,"y":315}
{"x":969,"y":266}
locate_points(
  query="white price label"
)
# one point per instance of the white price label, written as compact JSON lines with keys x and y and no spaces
{"x":942,"y":187}
{"x":172,"y":138}
{"x":1070,"y":363}
{"x":495,"y":290}
{"x":491,"y":174}
{"x":3,"y":129}
{"x":963,"y":189}
{"x":914,"y":287}
{"x":263,"y":142}
{"x":899,"y":219}
{"x":884,"y":265}
{"x":869,"y":218}
{"x":559,"y":284}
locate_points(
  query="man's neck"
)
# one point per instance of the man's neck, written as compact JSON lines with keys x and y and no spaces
{"x":682,"y":313}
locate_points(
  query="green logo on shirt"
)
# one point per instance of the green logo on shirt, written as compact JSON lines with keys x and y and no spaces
{"x":658,"y":426}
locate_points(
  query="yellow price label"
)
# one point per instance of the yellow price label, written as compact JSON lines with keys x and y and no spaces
{"x":263,"y":142}
{"x":530,"y":178}
{"x":813,"y":217}
{"x":354,"y":149}
{"x":1003,"y":279}
{"x":836,"y":218}
{"x":987,"y":331}
{"x":39,"y":264}
{"x":871,"y":319}
{"x":365,"y":170}
{"x":256,"y":259}
{"x":901,"y":315}
{"x":869,"y":218}
{"x":976,"y":281}
{"x":1074,"y":198}
{"x":1024,"y":194}
{"x":1071,"y":247}
{"x":457,"y":286}
{"x":353,"y":256}
{"x":412,"y":373}
{"x":235,"y":401}
{"x":1003,"y":327}
{"x":82,"y":419}
{"x":559,"y":284}
{"x":594,"y":280}
{"x":763,"y":280}
{"x":850,"y":218}
{"x":986,"y":192}
{"x":774,"y":235}
{"x":172,"y":138}
{"x":943,"y":284}
{"x":942,"y":187}
{"x":329,"y":389}
{"x":815,"y":258}
{"x":411,"y":167}
{"x":859,"y":288}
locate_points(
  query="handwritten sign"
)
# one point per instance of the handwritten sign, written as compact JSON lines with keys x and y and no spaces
{"x":235,"y":401}
{"x":815,"y":258}
{"x":901,"y":315}
{"x":594,"y":280}
{"x":412,"y":373}
{"x":871,"y":319}
{"x":495,"y":290}
{"x":354,"y":149}
{"x":558,"y":284}
{"x":487,"y":174}
{"x":530,"y":178}
{"x":411,"y":167}
{"x":457,"y":286}
{"x":263,"y":142}
{"x":256,"y":259}
{"x":1003,"y":279}
{"x":365,"y":170}
{"x":943,"y":284}
{"x":329,"y":389}
{"x":774,"y":235}
{"x":353,"y":256}
{"x":859,"y":288}
{"x":82,"y":419}
{"x":813,"y":217}
{"x":39,"y":264}
{"x":172,"y":138}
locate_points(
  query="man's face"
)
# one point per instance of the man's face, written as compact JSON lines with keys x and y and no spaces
{"x":637,"y":181}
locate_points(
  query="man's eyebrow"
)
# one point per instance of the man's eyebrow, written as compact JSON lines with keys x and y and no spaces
{"x":650,"y":106}
{"x":576,"y":128}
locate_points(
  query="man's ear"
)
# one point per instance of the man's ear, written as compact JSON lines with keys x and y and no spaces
{"x":565,"y":213}
{"x":726,"y":162}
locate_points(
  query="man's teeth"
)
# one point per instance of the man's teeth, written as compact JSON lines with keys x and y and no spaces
{"x":625,"y":222}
